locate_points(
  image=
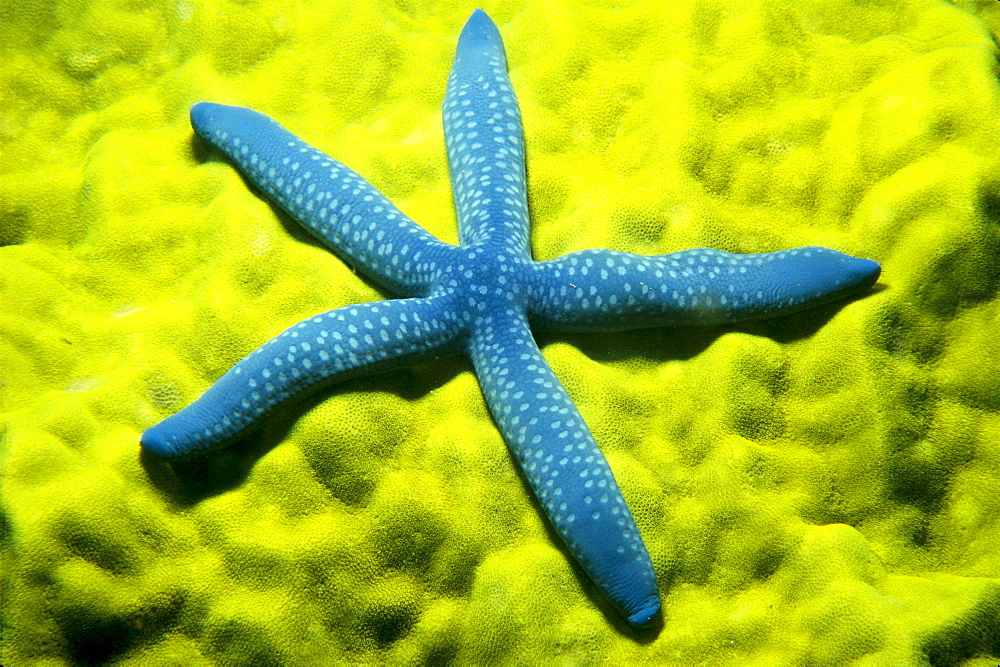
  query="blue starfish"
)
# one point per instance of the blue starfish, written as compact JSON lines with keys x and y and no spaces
{"x":479,"y":298}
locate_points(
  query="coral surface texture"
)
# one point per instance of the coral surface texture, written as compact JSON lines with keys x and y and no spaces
{"x":823,"y":488}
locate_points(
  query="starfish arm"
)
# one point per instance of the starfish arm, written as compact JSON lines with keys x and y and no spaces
{"x":332,"y":201}
{"x":482,"y":129}
{"x":606,"y":290}
{"x":564,"y":467}
{"x":354,"y":340}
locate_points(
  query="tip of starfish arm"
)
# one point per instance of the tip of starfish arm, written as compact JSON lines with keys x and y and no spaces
{"x":478,"y":15}
{"x":206,"y":116}
{"x":869,"y":270}
{"x":644,"y":616}
{"x":812,"y":276}
{"x":844,"y":273}
{"x":181,"y":435}
{"x":155,"y":440}
{"x":201,"y":112}
{"x":479,"y":36}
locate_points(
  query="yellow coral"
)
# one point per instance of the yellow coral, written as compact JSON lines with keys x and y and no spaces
{"x":818,"y":489}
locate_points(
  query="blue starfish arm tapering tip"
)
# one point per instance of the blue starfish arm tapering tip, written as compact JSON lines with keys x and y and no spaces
{"x":604,"y":290}
{"x":485,"y":142}
{"x":332,"y":201}
{"x":354,"y":340}
{"x":567,"y":472}
{"x":481,"y":36}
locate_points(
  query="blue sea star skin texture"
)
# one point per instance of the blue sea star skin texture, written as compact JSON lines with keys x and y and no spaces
{"x":479,"y":299}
